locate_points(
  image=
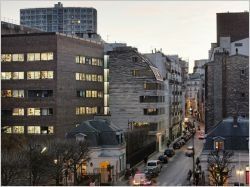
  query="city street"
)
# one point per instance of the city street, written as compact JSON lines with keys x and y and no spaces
{"x":175,"y":172}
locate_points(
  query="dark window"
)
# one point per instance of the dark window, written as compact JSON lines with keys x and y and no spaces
{"x":151,"y":99}
{"x":242,"y":72}
{"x":88,"y":60}
{"x":135,"y":59}
{"x":238,"y":44}
{"x":40,"y":93}
{"x":242,"y":94}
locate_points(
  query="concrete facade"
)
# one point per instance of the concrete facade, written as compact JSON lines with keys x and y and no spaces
{"x":63,"y":100}
{"x":136,"y":91}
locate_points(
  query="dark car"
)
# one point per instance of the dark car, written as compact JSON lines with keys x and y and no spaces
{"x":169,"y":152}
{"x":163,"y":158}
{"x":177,"y":145}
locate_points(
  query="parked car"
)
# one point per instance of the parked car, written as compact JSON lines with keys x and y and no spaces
{"x":140,"y":179}
{"x":190,"y":151}
{"x":176,"y":145}
{"x":154,"y":165}
{"x":163,"y":158}
{"x":182,"y":142}
{"x":169,"y":152}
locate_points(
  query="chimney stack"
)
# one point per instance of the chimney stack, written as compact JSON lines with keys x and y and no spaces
{"x":235,"y":122}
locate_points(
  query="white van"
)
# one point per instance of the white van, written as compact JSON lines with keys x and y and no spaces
{"x":154,"y":165}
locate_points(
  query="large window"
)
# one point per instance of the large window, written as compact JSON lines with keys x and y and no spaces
{"x":13,"y":93}
{"x":18,"y":129}
{"x":12,"y":75}
{"x":34,"y":130}
{"x":33,"y":111}
{"x":80,"y":59}
{"x":154,"y":111}
{"x":152,"y":99}
{"x":18,"y":112}
{"x":46,"y":56}
{"x":40,"y":56}
{"x":6,"y":58}
{"x":89,"y":77}
{"x":153,"y":86}
{"x":40,"y":93}
{"x":17,"y":57}
{"x":39,"y":111}
{"x":89,"y":93}
{"x":31,"y":75}
{"x":33,"y":57}
{"x":86,"y":110}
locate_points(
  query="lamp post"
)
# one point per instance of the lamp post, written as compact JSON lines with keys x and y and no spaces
{"x":193,"y":156}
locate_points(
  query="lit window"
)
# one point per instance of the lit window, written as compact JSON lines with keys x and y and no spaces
{"x":219,"y":144}
{"x":7,"y":129}
{"x":88,"y":110}
{"x":17,"y":75}
{"x":100,"y":78}
{"x":88,"y":77}
{"x":18,"y":129}
{"x":33,"y":57}
{"x":18,"y":112}
{"x":6,"y":93}
{"x":94,"y":93}
{"x":6,"y":58}
{"x":46,"y":74}
{"x":135,"y":72}
{"x":88,"y":93}
{"x":34,"y":130}
{"x":5,"y":75}
{"x":100,"y":94}
{"x":18,"y":93}
{"x":94,"y":61}
{"x":33,"y":75}
{"x":77,"y":76}
{"x":46,"y":56}
{"x":94,"y":77}
{"x":80,"y":110}
{"x":33,"y":111}
{"x":18,"y":57}
{"x":80,"y":59}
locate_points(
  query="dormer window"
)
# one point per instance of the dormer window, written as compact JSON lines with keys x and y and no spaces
{"x":219,"y":143}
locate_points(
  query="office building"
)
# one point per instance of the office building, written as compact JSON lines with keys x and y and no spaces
{"x":68,"y":20}
{"x":50,"y":83}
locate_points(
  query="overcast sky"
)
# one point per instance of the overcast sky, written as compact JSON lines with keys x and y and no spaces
{"x":186,"y":28}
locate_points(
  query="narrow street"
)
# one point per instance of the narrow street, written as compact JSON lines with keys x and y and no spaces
{"x":175,"y":172}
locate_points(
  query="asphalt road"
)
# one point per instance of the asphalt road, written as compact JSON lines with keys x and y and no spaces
{"x":175,"y":172}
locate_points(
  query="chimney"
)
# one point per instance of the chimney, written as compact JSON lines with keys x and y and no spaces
{"x":235,"y":122}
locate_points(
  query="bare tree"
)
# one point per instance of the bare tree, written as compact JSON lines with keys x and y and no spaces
{"x":66,"y":155}
{"x":219,"y":167}
{"x":11,"y":164}
{"x":12,"y":158}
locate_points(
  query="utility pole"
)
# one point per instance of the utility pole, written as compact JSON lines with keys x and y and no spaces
{"x":193,"y":156}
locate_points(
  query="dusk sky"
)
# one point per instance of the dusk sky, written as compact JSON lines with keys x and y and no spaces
{"x":186,"y":28}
